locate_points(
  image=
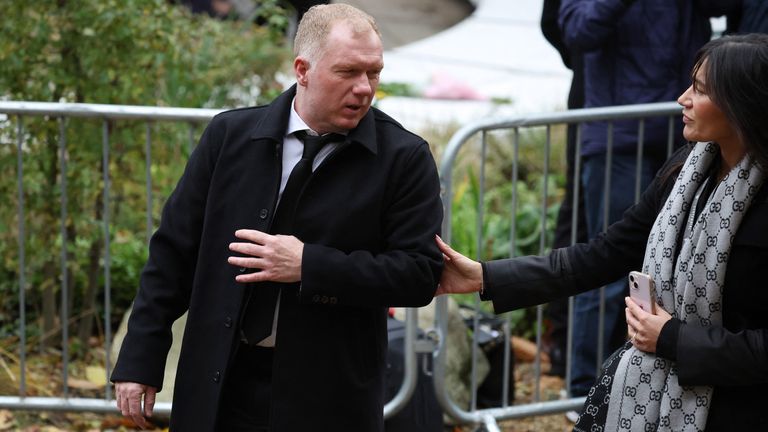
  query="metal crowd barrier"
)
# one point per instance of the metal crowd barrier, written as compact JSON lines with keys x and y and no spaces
{"x":62,"y":112}
{"x":436,"y":344}
{"x":513,"y":125}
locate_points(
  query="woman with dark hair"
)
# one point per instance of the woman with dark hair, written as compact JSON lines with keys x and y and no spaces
{"x":700,"y":231}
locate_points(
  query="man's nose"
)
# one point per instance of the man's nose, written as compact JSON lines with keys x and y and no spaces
{"x":362,"y":85}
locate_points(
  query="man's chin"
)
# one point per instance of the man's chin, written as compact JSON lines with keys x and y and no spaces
{"x":347,"y":124}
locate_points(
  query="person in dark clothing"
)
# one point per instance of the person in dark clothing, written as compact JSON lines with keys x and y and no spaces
{"x":699,"y":230}
{"x":748,"y":16}
{"x":566,"y":232}
{"x":293,"y":229}
{"x":635,"y":51}
{"x":302,"y":6}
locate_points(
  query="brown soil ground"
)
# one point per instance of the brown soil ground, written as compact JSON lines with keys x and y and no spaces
{"x":44,"y":379}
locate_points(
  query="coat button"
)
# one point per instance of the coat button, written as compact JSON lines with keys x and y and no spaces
{"x":316,"y":298}
{"x":324,"y":300}
{"x":263,"y":213}
{"x":334,"y":300}
{"x":228,"y":322}
{"x":216,"y":376}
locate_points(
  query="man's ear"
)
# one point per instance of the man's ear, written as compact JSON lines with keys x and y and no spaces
{"x":301,"y":69}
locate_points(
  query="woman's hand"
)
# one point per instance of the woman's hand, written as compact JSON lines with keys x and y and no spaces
{"x":644,"y":327}
{"x":461,"y":274}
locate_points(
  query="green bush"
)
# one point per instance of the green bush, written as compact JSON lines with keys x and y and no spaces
{"x":496,"y":239}
{"x":135,"y":52}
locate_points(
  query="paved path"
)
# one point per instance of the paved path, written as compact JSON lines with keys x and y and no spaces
{"x":497,"y":50}
{"x":404,"y":21}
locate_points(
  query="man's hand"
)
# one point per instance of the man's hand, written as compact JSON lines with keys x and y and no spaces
{"x":644,"y":327}
{"x":460,"y":274}
{"x":129,"y":396}
{"x":278,"y":257}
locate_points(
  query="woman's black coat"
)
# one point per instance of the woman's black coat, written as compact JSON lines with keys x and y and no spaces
{"x":368,"y":217}
{"x":732,"y":357}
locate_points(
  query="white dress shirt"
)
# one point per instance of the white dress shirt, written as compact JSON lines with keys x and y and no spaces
{"x":292,"y":151}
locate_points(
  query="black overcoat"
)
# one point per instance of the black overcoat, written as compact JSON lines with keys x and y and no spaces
{"x":367,"y":216}
{"x":733,"y":357}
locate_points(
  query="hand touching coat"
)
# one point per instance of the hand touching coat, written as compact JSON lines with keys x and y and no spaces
{"x":460,"y":274}
{"x":278,"y":257}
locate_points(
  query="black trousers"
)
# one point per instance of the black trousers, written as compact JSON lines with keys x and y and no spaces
{"x":246,"y":395}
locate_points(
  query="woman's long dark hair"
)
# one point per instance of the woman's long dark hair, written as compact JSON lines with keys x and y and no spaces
{"x":736,"y":71}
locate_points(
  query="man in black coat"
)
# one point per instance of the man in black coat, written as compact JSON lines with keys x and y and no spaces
{"x":356,"y":238}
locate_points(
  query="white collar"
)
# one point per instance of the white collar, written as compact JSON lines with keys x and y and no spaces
{"x":295,"y":122}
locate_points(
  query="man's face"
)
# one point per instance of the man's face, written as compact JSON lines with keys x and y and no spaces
{"x":336,"y":91}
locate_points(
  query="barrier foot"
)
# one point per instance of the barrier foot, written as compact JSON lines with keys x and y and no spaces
{"x":490,"y":424}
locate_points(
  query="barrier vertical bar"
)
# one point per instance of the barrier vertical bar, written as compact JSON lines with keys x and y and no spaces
{"x":512,"y":245}
{"x":576,"y":185}
{"x":191,"y":141}
{"x":639,"y":165}
{"x":670,"y":135}
{"x":148,"y":170}
{"x":64,"y":272}
{"x":107,"y":257}
{"x":574,"y":236}
{"x":506,"y":362}
{"x":606,"y":216}
{"x":410,"y":374}
{"x":542,"y":247}
{"x":479,"y":256}
{"x":22,"y":259}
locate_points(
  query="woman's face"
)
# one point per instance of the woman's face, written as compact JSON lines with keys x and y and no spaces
{"x":703,"y":119}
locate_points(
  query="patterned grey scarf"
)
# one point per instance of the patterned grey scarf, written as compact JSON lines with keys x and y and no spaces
{"x":645,"y":394}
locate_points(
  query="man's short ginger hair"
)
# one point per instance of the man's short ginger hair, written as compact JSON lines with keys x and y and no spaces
{"x":312,"y":34}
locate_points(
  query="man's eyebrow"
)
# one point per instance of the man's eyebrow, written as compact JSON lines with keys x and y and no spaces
{"x":341,"y":66}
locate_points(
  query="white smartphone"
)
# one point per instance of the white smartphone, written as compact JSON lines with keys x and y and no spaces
{"x":643,"y":291}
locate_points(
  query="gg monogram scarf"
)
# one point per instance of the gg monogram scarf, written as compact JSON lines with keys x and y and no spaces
{"x":645,"y":393}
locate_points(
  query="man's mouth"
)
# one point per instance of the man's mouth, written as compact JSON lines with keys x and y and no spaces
{"x":354,"y":108}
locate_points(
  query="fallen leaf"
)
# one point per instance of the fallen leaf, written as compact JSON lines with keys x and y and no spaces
{"x":96,"y":375}
{"x":82,"y":384}
{"x":525,"y":350}
{"x":6,"y":420}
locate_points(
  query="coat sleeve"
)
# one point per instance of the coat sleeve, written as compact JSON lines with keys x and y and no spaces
{"x":526,"y":281}
{"x":166,"y":281}
{"x":715,"y":8}
{"x":406,"y":271}
{"x":588,"y":24}
{"x":551,"y":30}
{"x":716,"y":356}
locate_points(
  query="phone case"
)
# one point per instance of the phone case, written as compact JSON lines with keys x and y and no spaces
{"x":642,"y":291}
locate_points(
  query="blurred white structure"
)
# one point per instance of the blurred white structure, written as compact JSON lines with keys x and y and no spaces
{"x":498,"y":51}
